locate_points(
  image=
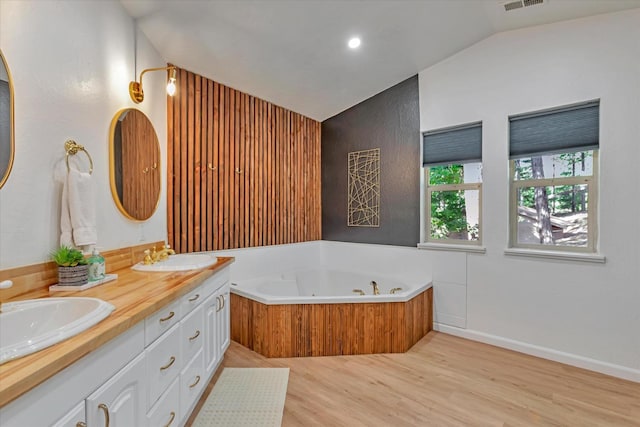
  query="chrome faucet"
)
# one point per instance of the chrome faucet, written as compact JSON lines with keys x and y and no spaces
{"x":376,"y":291}
{"x":394,"y":290}
{"x":358,"y":291}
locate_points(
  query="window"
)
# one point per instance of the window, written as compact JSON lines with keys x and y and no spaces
{"x":554,"y":170}
{"x":452,"y":160}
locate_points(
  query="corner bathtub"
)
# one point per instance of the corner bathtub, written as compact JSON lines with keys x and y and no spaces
{"x":316,"y":313}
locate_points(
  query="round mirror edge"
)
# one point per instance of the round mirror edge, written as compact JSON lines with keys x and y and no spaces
{"x":4,"y":178}
{"x":112,"y":165}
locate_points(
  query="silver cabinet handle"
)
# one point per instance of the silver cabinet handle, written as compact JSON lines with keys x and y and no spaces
{"x":219,"y":305}
{"x":173,"y":416}
{"x":171,"y":314}
{"x":168,"y":365}
{"x":195,"y":383}
{"x":81,"y":424}
{"x":197,"y":334}
{"x":194,"y":298}
{"x":105,"y":409}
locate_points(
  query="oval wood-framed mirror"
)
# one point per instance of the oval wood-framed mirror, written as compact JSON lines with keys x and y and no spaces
{"x":134,"y":164}
{"x":7,"y":132}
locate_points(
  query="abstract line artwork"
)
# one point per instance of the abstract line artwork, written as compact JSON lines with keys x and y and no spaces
{"x":364,"y":189}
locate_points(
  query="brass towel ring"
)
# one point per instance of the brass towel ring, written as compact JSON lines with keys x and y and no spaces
{"x":72,"y":148}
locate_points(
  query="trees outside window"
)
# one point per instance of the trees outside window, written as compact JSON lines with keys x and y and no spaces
{"x":554,"y":197}
{"x":453,"y":199}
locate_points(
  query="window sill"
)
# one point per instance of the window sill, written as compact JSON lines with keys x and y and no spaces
{"x":556,"y":255}
{"x":452,"y":248}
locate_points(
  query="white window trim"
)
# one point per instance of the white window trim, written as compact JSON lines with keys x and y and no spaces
{"x":556,"y":255}
{"x":516,"y":248}
{"x":428,"y":241}
{"x":453,"y":248}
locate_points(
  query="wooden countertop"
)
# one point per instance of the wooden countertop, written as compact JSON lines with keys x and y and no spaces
{"x":135,"y":295}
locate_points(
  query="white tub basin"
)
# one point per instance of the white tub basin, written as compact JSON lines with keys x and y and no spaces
{"x":179,"y":262}
{"x":31,"y":325}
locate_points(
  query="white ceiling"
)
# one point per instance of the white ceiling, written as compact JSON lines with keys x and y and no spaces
{"x":295,"y":54}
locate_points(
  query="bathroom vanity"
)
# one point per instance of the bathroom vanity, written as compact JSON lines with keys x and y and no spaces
{"x":147,"y":364}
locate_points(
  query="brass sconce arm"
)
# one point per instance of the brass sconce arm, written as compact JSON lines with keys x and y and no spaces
{"x":135,"y":88}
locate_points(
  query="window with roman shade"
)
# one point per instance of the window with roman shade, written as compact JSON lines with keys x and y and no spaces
{"x":452,"y":160}
{"x":553,"y":167}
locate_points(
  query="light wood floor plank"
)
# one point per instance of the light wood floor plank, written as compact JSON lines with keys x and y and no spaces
{"x":446,"y":381}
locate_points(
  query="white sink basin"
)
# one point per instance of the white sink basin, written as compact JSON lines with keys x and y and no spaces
{"x":31,"y":325}
{"x":179,"y":262}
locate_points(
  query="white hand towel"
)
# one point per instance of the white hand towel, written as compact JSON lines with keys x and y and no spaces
{"x":82,"y":208}
{"x":60,"y":175}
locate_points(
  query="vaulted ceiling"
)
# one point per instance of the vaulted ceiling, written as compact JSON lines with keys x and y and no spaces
{"x":295,"y":54}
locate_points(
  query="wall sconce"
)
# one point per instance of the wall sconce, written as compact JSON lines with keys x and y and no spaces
{"x":135,"y":88}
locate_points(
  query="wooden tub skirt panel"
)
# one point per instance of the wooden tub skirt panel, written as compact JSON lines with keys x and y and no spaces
{"x":298,"y":330}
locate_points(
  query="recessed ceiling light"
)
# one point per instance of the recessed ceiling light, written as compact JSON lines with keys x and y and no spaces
{"x":354,"y":42}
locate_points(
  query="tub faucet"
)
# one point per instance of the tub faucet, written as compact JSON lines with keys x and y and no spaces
{"x":394,"y":290}
{"x":376,"y":291}
{"x":358,"y":291}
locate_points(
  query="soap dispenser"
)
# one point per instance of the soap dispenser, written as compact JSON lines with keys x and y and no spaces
{"x":96,"y":266}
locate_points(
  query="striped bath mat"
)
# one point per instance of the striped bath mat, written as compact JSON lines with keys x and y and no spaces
{"x":246,"y":397}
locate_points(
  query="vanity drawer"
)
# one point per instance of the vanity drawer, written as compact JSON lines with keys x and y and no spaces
{"x":161,"y":321}
{"x":164,"y":362}
{"x":194,"y":298}
{"x":192,"y":380}
{"x":192,"y":333}
{"x":166,"y":411}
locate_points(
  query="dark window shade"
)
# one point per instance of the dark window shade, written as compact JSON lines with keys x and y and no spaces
{"x":459,"y":144}
{"x":562,"y":130}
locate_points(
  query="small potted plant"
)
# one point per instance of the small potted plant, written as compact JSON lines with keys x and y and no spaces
{"x":73,"y":268}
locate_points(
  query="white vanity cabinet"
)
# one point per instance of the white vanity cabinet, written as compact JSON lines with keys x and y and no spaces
{"x":121,"y":400}
{"x":179,"y":353}
{"x":224,"y":331}
{"x":216,"y":318}
{"x":166,"y":411}
{"x":151,"y":375}
{"x":75,"y":418}
{"x":212,"y":354}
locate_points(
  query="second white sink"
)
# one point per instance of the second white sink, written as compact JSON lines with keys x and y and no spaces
{"x":31,"y":325}
{"x":179,"y":262}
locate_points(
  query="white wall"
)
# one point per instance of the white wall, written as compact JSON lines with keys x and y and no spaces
{"x":71,"y":62}
{"x":409,"y":265}
{"x":583,"y":314}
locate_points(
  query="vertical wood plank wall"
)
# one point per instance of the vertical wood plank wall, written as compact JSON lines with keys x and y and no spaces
{"x":242,"y":172}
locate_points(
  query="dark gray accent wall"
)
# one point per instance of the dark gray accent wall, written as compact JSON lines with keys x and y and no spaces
{"x":390,"y":121}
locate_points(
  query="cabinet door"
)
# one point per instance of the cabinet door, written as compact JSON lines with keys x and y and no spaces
{"x":211,"y":307}
{"x":224,"y":332}
{"x":120,"y":402}
{"x":75,"y":418}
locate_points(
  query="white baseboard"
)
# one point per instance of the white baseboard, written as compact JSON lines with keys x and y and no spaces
{"x":543,"y":352}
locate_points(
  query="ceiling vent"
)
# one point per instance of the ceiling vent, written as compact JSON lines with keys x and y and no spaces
{"x":510,"y":5}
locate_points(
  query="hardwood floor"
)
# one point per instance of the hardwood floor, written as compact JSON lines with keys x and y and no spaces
{"x":445,"y":381}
